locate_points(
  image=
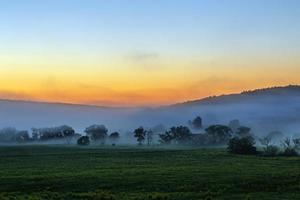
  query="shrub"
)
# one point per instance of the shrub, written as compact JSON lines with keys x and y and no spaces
{"x":242,"y":145}
{"x":83,"y":140}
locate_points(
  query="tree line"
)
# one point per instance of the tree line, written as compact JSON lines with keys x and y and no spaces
{"x":239,"y":139}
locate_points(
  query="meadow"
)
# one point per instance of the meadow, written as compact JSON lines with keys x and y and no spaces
{"x":95,"y":173}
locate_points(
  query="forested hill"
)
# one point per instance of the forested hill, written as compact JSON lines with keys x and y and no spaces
{"x":272,"y":93}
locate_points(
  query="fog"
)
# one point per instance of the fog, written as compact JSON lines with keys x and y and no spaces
{"x":263,"y":112}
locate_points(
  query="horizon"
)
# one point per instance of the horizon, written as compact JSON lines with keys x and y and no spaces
{"x":144,"y":53}
{"x":156,"y":106}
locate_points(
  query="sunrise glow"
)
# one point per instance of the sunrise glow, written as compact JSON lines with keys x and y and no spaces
{"x":141,"y":53}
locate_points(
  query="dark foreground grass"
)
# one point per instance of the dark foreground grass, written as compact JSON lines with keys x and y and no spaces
{"x":41,"y":172}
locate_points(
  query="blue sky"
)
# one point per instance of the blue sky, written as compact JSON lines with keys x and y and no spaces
{"x":191,"y":25}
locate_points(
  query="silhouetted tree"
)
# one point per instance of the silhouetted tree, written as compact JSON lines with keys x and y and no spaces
{"x":83,"y":140}
{"x":243,"y":145}
{"x":97,"y":133}
{"x":182,"y":134}
{"x":114,"y":137}
{"x":166,"y":138}
{"x":179,"y":134}
{"x":218,"y":134}
{"x":197,"y":123}
{"x":140,"y":134}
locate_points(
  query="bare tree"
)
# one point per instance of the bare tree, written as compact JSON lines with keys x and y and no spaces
{"x":266,"y":141}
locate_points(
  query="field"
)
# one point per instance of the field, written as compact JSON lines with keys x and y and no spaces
{"x":56,"y":172}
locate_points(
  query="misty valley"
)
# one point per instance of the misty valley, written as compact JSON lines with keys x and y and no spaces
{"x":239,"y":146}
{"x":149,"y":100}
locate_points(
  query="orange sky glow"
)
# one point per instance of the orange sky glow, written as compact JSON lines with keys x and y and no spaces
{"x":118,"y":53}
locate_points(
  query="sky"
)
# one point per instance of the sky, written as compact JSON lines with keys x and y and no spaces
{"x":145,"y":52}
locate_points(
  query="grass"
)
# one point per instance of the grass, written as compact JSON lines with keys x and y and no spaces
{"x":56,"y":172}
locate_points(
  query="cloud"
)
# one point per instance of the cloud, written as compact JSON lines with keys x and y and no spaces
{"x":145,"y":60}
{"x":144,"y":56}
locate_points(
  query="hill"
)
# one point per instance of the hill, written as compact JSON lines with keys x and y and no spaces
{"x":264,"y":110}
{"x":275,"y":108}
{"x":250,"y":95}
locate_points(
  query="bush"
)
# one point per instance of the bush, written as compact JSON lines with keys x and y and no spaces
{"x":83,"y":140}
{"x":242,"y":145}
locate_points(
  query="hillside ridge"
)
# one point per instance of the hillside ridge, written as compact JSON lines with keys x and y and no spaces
{"x":260,"y":91}
{"x":276,"y":90}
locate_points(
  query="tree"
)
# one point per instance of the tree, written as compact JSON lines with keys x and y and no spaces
{"x":166,"y":138}
{"x":266,"y":141}
{"x":8,"y":134}
{"x":290,"y":147}
{"x":67,"y":131}
{"x":83,"y":140}
{"x":179,"y":134}
{"x":140,"y":134}
{"x":197,"y":123}
{"x":242,"y":145}
{"x":22,"y":136}
{"x":114,"y":137}
{"x":97,"y":133}
{"x":218,"y":134}
{"x":59,"y":132}
{"x":268,"y":148}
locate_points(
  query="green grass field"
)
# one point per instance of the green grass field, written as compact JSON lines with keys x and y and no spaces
{"x":53,"y":172}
